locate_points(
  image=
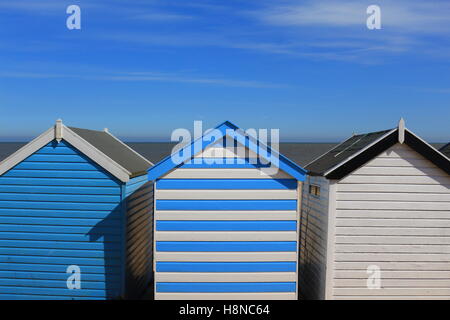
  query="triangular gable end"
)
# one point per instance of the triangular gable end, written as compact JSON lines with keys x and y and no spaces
{"x":61,"y":132}
{"x":208,"y":139}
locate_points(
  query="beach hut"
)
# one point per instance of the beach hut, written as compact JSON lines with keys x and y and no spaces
{"x":226,"y":220}
{"x":446,"y":150}
{"x":75,"y":218}
{"x":375,"y":220}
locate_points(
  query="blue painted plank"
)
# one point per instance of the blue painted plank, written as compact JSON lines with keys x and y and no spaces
{"x":56,"y":158}
{"x":62,"y":284}
{"x":226,"y":246}
{"x":226,"y":225}
{"x":57,"y":182}
{"x":225,"y":266}
{"x":57,"y":174}
{"x":225,"y":286}
{"x":57,"y":237}
{"x":60,"y":190}
{"x":82,"y":215}
{"x":57,"y":150}
{"x":227,"y":184}
{"x":52,"y":244}
{"x":12,"y":296}
{"x":27,"y":165}
{"x":62,"y":275}
{"x":81,"y":230}
{"x":60,"y":197}
{"x":226,"y":204}
{"x":51,"y":252}
{"x":60,"y":221}
{"x":111,"y":271}
{"x":58,"y":205}
{"x":222,"y":163}
{"x":60,"y":260}
{"x":53,"y":291}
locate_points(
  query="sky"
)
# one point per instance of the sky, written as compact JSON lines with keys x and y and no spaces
{"x":142,"y":68}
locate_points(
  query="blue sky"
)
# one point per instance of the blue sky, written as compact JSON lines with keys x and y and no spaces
{"x":144,"y":67}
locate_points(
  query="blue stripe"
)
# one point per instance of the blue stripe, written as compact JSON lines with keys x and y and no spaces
{"x":58,"y":182}
{"x":227,"y":184}
{"x":59,"y":197}
{"x":58,"y":268}
{"x":225,"y":266}
{"x":225,"y":287}
{"x":56,"y":158}
{"x":59,"y":190}
{"x":57,"y":174}
{"x":223,"y":163}
{"x":226,"y":204}
{"x":226,"y":246}
{"x":226,"y":225}
{"x":62,"y":284}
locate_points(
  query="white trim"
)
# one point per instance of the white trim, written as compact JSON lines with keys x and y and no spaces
{"x":359,"y":152}
{"x":27,"y":150}
{"x":225,"y":276}
{"x":226,"y":296}
{"x":228,"y":194}
{"x":225,"y":256}
{"x":129,"y":148}
{"x":331,"y":240}
{"x":226,"y":236}
{"x":401,"y":131}
{"x":71,"y":137}
{"x":225,"y":215}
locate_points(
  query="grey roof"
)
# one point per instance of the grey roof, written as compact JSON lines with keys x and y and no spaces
{"x":446,"y":150}
{"x":114,"y":149}
{"x":343,"y":151}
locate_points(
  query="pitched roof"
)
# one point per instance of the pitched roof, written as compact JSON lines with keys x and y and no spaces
{"x":446,"y":150}
{"x":212,"y":137}
{"x":116,"y":150}
{"x":359,"y":149}
{"x":101,"y":147}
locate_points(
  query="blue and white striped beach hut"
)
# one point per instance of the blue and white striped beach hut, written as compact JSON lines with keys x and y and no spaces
{"x":226,"y":226}
{"x":74,"y":205}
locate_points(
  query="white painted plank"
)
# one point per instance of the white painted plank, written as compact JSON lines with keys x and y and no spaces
{"x":417,"y":297}
{"x":400,"y":162}
{"x":388,"y":248}
{"x":390,"y":274}
{"x":390,"y":205}
{"x":226,"y":236}
{"x":395,"y":283}
{"x":225,"y":215}
{"x":379,"y":257}
{"x":399,"y":171}
{"x":403,"y":265}
{"x":228,"y":194}
{"x":396,"y":179}
{"x":385,"y":187}
{"x":393,"y":214}
{"x":220,"y":152}
{"x":225,"y":174}
{"x":398,"y":196}
{"x":226,"y":296}
{"x":393,"y":240}
{"x":225,"y":276}
{"x":404,"y":223}
{"x":392,"y":291}
{"x":225,"y":256}
{"x":387,"y":231}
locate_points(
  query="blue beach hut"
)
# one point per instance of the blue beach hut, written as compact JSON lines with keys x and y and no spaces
{"x":75,"y":218}
{"x":226,"y":220}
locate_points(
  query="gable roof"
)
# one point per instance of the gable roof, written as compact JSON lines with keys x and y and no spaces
{"x":446,"y":150}
{"x":284,"y":164}
{"x":359,"y":149}
{"x":101,"y":147}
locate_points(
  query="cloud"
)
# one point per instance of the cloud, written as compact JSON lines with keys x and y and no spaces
{"x":162,"y":17}
{"x":145,"y":77}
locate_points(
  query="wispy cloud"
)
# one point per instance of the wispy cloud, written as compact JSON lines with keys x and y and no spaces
{"x":144,"y":77}
{"x":161,"y":17}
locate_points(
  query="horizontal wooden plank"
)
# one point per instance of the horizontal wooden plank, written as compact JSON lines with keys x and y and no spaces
{"x":225,"y":287}
{"x":58,"y":236}
{"x":80,"y":261}
{"x":77,"y":182}
{"x":60,"y":283}
{"x":393,"y":274}
{"x":81,"y":252}
{"x":392,"y":214}
{"x":399,"y":171}
{"x":384,"y":239}
{"x":225,"y":215}
{"x":224,"y":174}
{"x":60,"y":190}
{"x":389,"y":248}
{"x":225,"y":277}
{"x":390,"y":205}
{"x":26,"y":165}
{"x":402,"y":265}
{"x":225,"y":246}
{"x":222,"y":267}
{"x":395,"y":197}
{"x":226,"y":236}
{"x":220,"y":152}
{"x":65,"y":158}
{"x":225,"y":256}
{"x":404,"y":223}
{"x":226,"y":296}
{"x":396,"y":179}
{"x":382,"y":231}
{"x":186,"y":225}
{"x":376,"y":257}
{"x":69,"y":174}
{"x":417,"y":297}
{"x":227,"y":184}
{"x":227,"y":194}
{"x":395,"y":188}
{"x":225,"y":204}
{"x":392,"y":291}
{"x":52,"y":291}
{"x":94,"y":206}
{"x":400,"y":162}
{"x":394,"y":283}
{"x":85,"y":198}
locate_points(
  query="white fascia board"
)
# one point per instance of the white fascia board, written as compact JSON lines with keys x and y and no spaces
{"x":96,"y":155}
{"x":129,"y":148}
{"x":27,"y":150}
{"x":360,"y":151}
